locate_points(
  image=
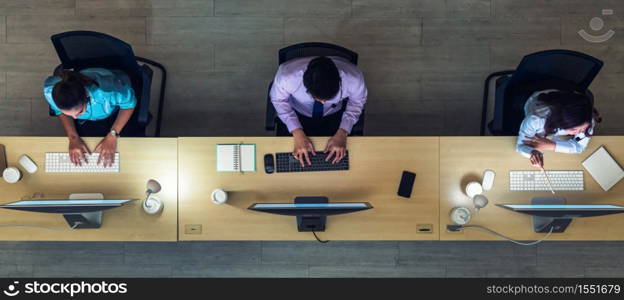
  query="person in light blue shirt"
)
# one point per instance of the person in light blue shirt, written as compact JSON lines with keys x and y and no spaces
{"x":559,"y":121}
{"x":92,"y":102}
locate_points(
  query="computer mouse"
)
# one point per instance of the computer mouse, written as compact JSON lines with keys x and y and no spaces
{"x":28,"y":164}
{"x":269,"y":163}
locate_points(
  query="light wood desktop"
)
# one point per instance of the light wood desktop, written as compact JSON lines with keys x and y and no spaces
{"x":141,"y":160}
{"x":376,"y":166}
{"x":463,"y":159}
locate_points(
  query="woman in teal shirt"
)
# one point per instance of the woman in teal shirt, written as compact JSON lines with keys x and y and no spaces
{"x":92,"y":102}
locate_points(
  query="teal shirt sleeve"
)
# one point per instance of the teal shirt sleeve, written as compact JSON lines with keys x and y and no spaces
{"x":48,"y":85}
{"x":114,"y":84}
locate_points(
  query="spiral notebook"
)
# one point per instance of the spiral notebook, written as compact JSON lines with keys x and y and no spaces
{"x":236,"y":158}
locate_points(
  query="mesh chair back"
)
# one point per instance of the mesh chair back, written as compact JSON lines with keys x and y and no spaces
{"x":86,"y":49}
{"x":569,"y":67}
{"x":551,"y":69}
{"x":316,"y":49}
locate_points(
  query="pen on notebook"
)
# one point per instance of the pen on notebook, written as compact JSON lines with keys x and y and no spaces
{"x":547,"y":180}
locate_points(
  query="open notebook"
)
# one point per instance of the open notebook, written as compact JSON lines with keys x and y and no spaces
{"x":236,"y":158}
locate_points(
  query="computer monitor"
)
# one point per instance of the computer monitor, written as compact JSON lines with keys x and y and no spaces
{"x":85,"y":213}
{"x":556,"y":214}
{"x":311,"y":212}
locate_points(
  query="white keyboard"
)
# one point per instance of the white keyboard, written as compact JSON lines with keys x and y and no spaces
{"x":535,"y":181}
{"x":58,"y":162}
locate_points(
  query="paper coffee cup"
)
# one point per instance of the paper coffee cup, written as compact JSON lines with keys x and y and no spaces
{"x":473,"y":188}
{"x":11,"y":175}
{"x":219,"y":196}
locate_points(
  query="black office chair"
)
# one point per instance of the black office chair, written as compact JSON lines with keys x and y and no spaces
{"x":551,"y":69}
{"x":87,"y":49}
{"x":305,"y":50}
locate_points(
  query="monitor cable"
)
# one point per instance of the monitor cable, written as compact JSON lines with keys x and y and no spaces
{"x":455,"y":228}
{"x":317,"y":238}
{"x":42,"y":227}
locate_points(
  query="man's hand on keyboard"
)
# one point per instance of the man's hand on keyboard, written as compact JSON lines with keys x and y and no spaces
{"x":303,"y":145}
{"x":107,"y":148}
{"x":77,"y":150}
{"x":337,"y":146}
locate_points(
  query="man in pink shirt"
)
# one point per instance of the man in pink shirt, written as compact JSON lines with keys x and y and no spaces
{"x":322,"y":96}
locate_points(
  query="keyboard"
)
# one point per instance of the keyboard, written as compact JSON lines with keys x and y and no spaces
{"x":58,"y":162}
{"x":535,"y":181}
{"x":286,"y":162}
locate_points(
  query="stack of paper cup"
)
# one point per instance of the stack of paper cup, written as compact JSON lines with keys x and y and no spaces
{"x":219,"y":196}
{"x":12,"y":175}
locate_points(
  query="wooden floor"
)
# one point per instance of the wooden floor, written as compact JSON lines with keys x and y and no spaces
{"x":424,"y":62}
{"x":311,"y":259}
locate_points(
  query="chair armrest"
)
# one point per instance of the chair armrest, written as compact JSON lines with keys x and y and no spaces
{"x":486,"y":96}
{"x":358,"y":128}
{"x":144,"y":102}
{"x":271,"y":113}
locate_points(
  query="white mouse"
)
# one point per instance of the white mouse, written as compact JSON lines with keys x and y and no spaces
{"x":488,"y":179}
{"x":27,"y":164}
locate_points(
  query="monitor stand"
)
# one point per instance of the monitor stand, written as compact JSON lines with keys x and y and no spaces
{"x":543,"y":224}
{"x":311,"y":222}
{"x":87,"y":220}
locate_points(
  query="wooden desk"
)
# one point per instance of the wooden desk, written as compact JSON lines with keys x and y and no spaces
{"x":141,"y":159}
{"x":463,"y":159}
{"x":375,"y":171}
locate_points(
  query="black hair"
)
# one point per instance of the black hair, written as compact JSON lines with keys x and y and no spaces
{"x":70,"y":92}
{"x":321,"y":78}
{"x":568,"y":110}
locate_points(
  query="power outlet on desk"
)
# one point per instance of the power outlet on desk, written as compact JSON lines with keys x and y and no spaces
{"x":424,"y":228}
{"x":454,"y":228}
{"x":193,"y":229}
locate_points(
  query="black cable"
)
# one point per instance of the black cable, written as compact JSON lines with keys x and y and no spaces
{"x":317,"y":238}
{"x":461,"y":227}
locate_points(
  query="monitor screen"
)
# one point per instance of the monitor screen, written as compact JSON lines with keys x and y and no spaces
{"x":311,"y":208}
{"x":308,"y":205}
{"x":115,"y":202}
{"x":565,"y":207}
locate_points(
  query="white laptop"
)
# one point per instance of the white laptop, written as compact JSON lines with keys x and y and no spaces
{"x":603,"y":168}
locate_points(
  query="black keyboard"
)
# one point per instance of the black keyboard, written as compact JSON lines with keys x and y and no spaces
{"x":286,"y":162}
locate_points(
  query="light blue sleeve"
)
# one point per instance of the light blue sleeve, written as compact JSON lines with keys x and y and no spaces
{"x":530,"y":126}
{"x":48,"y":85}
{"x":571,"y":146}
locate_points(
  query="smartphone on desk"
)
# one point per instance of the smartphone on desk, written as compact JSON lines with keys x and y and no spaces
{"x":406,"y":184}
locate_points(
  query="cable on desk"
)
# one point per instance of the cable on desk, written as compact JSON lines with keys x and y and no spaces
{"x":317,"y":238}
{"x":508,"y":238}
{"x":42,"y":227}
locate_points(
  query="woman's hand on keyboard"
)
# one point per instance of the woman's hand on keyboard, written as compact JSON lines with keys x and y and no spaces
{"x":77,"y":150}
{"x":537,"y":159}
{"x":107,"y":148}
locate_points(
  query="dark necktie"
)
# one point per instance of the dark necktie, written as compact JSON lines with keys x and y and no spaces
{"x":317,"y":111}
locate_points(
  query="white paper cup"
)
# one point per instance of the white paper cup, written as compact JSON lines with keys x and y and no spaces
{"x":473,"y":188}
{"x":11,"y":175}
{"x":219,"y":196}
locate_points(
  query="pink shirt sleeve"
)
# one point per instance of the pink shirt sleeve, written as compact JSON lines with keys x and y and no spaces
{"x":356,"y":87}
{"x":280,"y":94}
